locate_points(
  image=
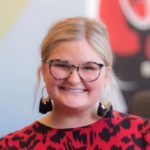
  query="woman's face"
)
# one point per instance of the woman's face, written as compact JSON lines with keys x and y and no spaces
{"x":74,"y":93}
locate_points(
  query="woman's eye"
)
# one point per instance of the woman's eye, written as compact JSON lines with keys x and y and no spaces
{"x":88,"y":68}
{"x":62,"y":65}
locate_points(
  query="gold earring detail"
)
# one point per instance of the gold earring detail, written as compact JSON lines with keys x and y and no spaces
{"x":45,"y":104}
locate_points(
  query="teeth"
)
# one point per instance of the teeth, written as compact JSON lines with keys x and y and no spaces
{"x":73,"y":90}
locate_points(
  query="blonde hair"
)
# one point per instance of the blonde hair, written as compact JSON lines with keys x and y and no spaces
{"x":78,"y":28}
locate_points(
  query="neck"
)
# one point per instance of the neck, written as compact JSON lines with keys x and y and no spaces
{"x":59,"y":118}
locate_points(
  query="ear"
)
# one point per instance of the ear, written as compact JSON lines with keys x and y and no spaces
{"x":43,"y":71}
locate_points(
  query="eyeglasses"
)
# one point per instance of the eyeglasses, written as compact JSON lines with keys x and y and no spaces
{"x":61,"y":70}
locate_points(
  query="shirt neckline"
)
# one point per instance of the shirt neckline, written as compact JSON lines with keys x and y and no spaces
{"x":96,"y":123}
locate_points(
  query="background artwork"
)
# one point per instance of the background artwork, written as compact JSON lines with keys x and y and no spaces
{"x":7,"y":19}
{"x":128,"y":22}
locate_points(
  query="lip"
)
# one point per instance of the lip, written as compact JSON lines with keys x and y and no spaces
{"x":73,"y":90}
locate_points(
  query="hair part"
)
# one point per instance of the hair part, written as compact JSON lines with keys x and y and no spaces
{"x":78,"y":28}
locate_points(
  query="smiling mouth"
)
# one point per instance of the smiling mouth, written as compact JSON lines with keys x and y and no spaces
{"x":73,"y":90}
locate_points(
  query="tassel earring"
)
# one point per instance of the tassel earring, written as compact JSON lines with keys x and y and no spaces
{"x":45,"y":104}
{"x":105,"y":110}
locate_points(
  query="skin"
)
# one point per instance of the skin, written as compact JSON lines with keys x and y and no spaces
{"x":73,"y":100}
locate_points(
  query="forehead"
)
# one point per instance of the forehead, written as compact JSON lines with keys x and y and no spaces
{"x":75,"y":51}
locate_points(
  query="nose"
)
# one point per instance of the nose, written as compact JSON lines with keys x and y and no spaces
{"x":74,"y":77}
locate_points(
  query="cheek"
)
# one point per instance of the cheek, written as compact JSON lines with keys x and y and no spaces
{"x":52,"y":86}
{"x":49,"y":86}
{"x":96,"y":88}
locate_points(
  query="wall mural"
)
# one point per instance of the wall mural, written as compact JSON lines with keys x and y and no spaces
{"x":9,"y":13}
{"x":128,"y":22}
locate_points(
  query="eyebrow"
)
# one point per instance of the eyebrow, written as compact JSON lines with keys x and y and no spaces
{"x":65,"y":61}
{"x":68,"y":62}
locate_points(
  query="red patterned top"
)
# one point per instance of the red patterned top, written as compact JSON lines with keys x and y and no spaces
{"x":118,"y":132}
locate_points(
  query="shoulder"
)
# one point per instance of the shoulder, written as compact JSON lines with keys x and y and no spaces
{"x":136,"y":127}
{"x":19,"y":138}
{"x":129,"y":121}
{"x":129,"y":129}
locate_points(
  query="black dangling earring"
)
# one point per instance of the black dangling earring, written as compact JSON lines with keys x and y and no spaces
{"x":45,"y":104}
{"x":105,"y":110}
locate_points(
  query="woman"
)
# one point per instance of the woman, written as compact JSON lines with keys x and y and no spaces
{"x":76,"y":67}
